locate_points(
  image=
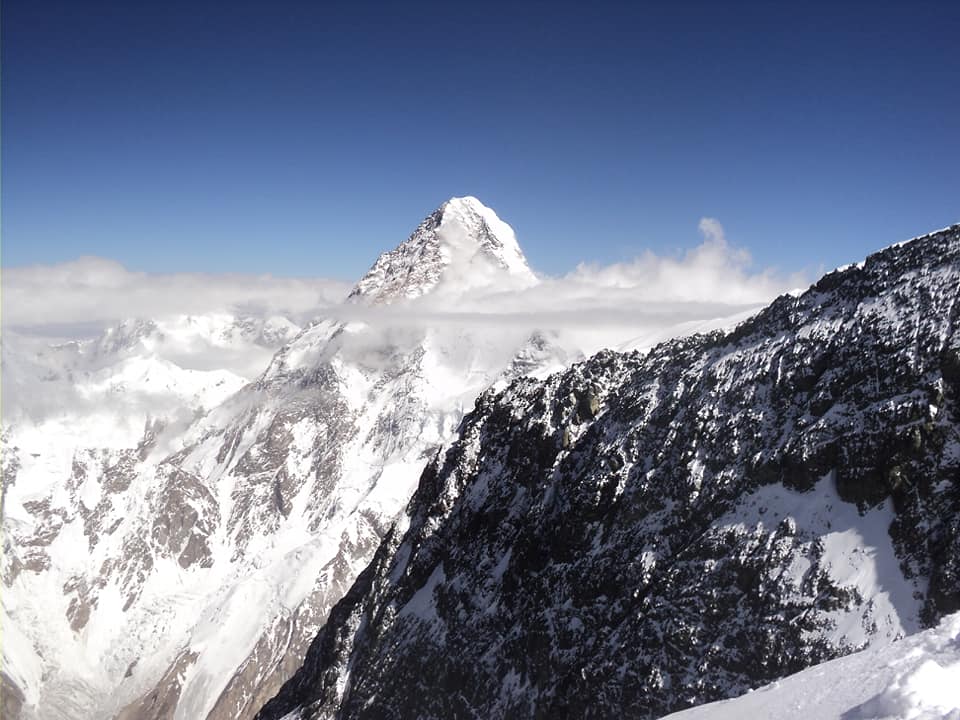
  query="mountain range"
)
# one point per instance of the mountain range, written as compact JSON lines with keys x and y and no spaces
{"x":396,"y":511}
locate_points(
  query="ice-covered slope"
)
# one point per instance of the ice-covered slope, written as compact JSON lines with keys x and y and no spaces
{"x":917,"y":678}
{"x":646,"y":532}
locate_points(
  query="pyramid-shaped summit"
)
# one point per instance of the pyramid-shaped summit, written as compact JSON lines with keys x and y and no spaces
{"x":461,"y":246}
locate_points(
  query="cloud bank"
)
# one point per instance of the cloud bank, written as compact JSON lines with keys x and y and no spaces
{"x":609,"y":305}
{"x":81,"y":297}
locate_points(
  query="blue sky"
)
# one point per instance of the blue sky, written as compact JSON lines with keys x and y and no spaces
{"x":303,"y":138}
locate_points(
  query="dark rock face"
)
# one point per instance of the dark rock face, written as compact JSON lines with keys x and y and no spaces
{"x":162,"y":701}
{"x":647,"y":532}
{"x":11,"y":698}
{"x":188,"y":519}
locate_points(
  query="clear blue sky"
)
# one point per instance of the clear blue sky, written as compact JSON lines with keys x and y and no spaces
{"x":302,"y":138}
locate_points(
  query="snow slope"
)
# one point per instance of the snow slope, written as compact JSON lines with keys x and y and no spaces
{"x":917,"y":678}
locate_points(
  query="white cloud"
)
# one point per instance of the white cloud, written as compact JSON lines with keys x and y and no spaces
{"x":85,"y":295}
{"x":610,"y":305}
{"x":712,"y":272}
{"x":712,"y":231}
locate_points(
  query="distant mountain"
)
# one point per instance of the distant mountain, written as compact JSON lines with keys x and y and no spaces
{"x":84,"y":424}
{"x":646,"y":532}
{"x":141,"y":367}
{"x":461,"y":246}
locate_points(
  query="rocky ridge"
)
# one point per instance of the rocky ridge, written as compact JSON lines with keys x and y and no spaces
{"x":647,"y":532}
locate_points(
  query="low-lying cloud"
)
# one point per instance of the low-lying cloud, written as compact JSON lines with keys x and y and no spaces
{"x":646,"y":296}
{"x":81,"y":297}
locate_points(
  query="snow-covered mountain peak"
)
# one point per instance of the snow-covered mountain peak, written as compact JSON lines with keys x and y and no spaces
{"x":463,"y":245}
{"x":179,"y":334}
{"x":494,"y":236}
{"x":125,"y":336}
